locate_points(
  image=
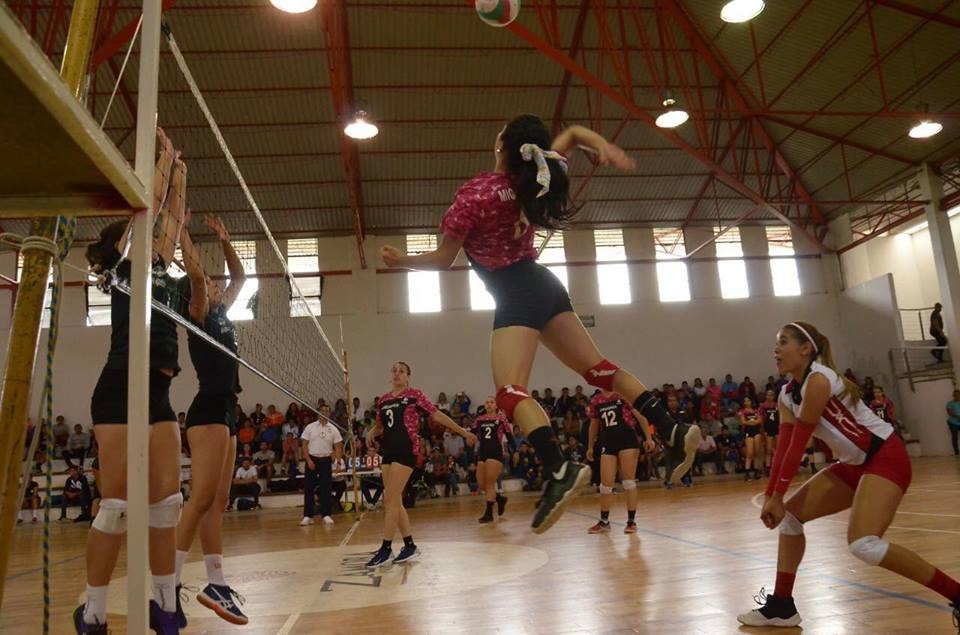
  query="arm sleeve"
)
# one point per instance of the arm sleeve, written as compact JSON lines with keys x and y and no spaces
{"x":787,"y":461}
{"x":337,"y":437}
{"x":463,"y":215}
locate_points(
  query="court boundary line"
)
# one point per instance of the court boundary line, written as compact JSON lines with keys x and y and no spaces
{"x":39,"y":569}
{"x":802,"y":571}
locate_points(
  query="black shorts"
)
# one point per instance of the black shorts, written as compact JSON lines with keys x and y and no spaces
{"x":109,"y":402}
{"x":612,"y":444}
{"x":403,"y":458}
{"x":213,"y":408}
{"x":488,"y":452}
{"x":526,"y":293}
{"x":771,"y":428}
{"x":751,"y":431}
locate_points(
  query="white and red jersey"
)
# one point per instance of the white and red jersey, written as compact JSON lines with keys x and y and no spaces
{"x":846,"y":426}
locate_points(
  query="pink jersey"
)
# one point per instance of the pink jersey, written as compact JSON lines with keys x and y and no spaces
{"x":486,"y":216}
{"x":404,"y":408}
{"x":846,"y":426}
{"x":611,"y":410}
{"x":490,"y":425}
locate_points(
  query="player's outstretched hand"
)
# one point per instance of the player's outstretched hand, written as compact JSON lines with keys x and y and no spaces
{"x":471,"y":439}
{"x":392,"y":257}
{"x":611,"y":154}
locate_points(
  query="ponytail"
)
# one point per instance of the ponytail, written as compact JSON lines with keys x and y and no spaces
{"x":822,"y":350}
{"x":551,"y":209}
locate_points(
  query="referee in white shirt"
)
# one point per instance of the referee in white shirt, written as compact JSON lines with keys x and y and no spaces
{"x":322,"y":442}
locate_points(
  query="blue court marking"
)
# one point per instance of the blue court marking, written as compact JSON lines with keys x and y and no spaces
{"x":773,"y":563}
{"x":39,"y":569}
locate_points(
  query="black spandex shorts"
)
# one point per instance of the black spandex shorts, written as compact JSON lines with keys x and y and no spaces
{"x":613,"y":443}
{"x":109,"y":402}
{"x":751,"y":431}
{"x":403,"y":458}
{"x":526,"y":293}
{"x":771,"y":429}
{"x":487,"y":453}
{"x":213,"y":408}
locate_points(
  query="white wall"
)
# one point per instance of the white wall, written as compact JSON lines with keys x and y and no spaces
{"x":926,"y":412}
{"x":449,"y":351}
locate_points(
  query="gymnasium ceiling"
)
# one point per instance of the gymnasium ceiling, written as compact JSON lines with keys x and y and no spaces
{"x":801,"y":113}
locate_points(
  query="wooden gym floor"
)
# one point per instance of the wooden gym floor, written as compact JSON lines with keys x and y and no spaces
{"x":700,"y":556}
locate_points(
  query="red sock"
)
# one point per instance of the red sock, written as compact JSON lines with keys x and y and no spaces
{"x":784,"y":587}
{"x":944,"y":585}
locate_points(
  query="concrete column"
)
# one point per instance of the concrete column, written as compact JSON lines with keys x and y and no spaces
{"x":391,"y":287}
{"x":944,"y":253}
{"x":809,"y":270}
{"x":704,"y":276}
{"x":578,"y":246}
{"x":638,"y":244}
{"x":273,"y":294}
{"x":753,"y":238}
{"x":73,"y":302}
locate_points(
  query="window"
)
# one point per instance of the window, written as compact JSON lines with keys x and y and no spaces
{"x":672,"y":280}
{"x":423,"y":287}
{"x":783,"y":267}
{"x":731,"y":266}
{"x":47,"y":295}
{"x":303,"y":256}
{"x":553,"y":252}
{"x":613,"y":279}
{"x":243,"y":308}
{"x":480,"y":298}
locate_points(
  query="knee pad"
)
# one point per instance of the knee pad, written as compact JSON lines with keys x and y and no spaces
{"x":604,"y":489}
{"x":111,"y":518}
{"x":166,"y":513}
{"x":790,"y":526}
{"x":601,"y":375}
{"x":509,"y":396}
{"x":629,"y":485}
{"x":870,"y":549}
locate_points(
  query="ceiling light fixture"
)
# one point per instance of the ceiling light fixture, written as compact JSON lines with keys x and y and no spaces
{"x":294,"y":6}
{"x":360,"y":128}
{"x":925,"y":129}
{"x":741,"y":10}
{"x":673,"y":115}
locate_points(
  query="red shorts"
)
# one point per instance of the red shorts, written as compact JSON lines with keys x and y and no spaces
{"x":891,"y":462}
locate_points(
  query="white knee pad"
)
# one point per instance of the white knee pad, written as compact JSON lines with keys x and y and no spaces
{"x":790,"y":526}
{"x":606,"y":490}
{"x":111,"y":519}
{"x":629,"y":485}
{"x":870,"y":549}
{"x":166,"y":513}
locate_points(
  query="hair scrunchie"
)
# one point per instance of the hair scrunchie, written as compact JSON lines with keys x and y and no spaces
{"x":533,"y":152}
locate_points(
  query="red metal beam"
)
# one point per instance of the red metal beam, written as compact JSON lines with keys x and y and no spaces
{"x":920,"y":13}
{"x":567,"y":76}
{"x":337,"y":40}
{"x":106,"y":50}
{"x":641,"y":115}
{"x":833,"y":137}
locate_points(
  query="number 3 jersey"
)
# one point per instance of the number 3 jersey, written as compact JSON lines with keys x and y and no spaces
{"x":615,"y":415}
{"x":400,"y":415}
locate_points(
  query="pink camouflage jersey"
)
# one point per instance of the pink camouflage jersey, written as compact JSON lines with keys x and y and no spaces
{"x":491,"y":429}
{"x":612,"y":410}
{"x":486,"y":216}
{"x":400,"y":414}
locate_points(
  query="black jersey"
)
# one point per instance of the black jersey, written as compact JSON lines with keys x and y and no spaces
{"x":163,"y":330}
{"x":216,"y":371}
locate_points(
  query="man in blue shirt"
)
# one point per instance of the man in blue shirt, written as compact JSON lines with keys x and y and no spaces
{"x":728,"y":389}
{"x":953,"y":420}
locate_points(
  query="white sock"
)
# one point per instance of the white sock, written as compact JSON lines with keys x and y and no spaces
{"x":22,"y":515}
{"x":214,"y":564}
{"x":181,"y":558}
{"x":165,"y":592}
{"x":36,"y":514}
{"x":95,"y":611}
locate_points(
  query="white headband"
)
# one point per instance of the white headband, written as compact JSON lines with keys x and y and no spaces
{"x":813,"y":342}
{"x":533,"y":152}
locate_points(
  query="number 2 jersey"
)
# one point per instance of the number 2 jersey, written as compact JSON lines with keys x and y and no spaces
{"x":400,"y":416}
{"x":848,"y":427}
{"x":491,"y":430}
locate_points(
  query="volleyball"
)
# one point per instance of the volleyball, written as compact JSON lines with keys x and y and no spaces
{"x":497,"y":12}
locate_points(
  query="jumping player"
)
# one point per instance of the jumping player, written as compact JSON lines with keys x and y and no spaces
{"x":770,"y":415}
{"x":870,"y":479}
{"x":210,"y":422}
{"x":398,"y":420}
{"x":752,"y":426}
{"x":612,"y":422}
{"x":492,"y":429}
{"x":108,"y":409}
{"x":493,"y":218}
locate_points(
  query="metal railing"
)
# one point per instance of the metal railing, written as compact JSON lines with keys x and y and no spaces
{"x":915,"y":324}
{"x":918,"y":364}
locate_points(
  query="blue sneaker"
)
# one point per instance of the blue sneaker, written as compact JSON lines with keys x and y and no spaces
{"x":408,"y":553}
{"x":381,"y":558}
{"x":223,"y":601}
{"x":83,"y":628}
{"x":163,"y":622}
{"x":181,"y":617}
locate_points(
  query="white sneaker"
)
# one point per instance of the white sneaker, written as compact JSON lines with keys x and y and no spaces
{"x":306,"y":521}
{"x":327,"y":520}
